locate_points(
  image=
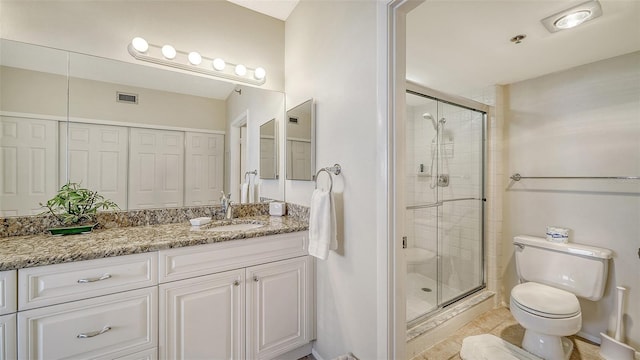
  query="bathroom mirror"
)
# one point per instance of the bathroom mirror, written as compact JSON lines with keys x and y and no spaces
{"x":300,"y":144}
{"x":129,"y":131}
{"x":268,"y":150}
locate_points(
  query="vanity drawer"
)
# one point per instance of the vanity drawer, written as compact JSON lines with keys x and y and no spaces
{"x":100,"y":328}
{"x":54,"y":284}
{"x":186,"y":262}
{"x":8,"y":292}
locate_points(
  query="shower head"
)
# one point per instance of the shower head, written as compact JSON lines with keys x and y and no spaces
{"x":428,"y":116}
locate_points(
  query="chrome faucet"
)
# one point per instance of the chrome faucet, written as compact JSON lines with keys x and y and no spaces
{"x":225,"y":203}
{"x":229,"y":211}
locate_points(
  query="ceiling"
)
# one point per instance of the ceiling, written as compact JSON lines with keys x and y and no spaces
{"x":461,"y":46}
{"x":279,"y":9}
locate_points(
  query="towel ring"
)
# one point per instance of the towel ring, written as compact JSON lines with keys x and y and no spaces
{"x":335,"y":169}
{"x":254,"y":172}
{"x":330,"y":178}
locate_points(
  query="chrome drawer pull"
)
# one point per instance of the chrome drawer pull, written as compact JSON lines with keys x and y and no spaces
{"x":94,"y":333}
{"x":94,"y":279}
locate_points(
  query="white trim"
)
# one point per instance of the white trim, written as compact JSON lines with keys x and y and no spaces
{"x":234,"y":154}
{"x":33,"y":116}
{"x":106,"y":122}
{"x":299,"y":140}
{"x":316,"y":355}
{"x":392,"y":89}
{"x":595,"y":339}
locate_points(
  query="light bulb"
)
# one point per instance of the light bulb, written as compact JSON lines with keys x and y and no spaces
{"x":219,"y":64}
{"x":572,"y":20}
{"x":141,"y":45}
{"x":195,"y":58}
{"x":241,"y":70}
{"x":259,"y":73}
{"x":169,"y":52}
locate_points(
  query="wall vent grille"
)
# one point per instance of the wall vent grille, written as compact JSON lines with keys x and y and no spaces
{"x":126,"y":98}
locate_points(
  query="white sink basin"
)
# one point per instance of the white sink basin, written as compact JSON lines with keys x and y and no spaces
{"x":235,"y":227}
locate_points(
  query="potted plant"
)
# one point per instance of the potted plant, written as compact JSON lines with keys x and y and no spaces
{"x":75,"y":208}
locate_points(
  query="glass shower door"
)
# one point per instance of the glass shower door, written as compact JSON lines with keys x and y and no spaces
{"x":444,"y":194}
{"x":422,"y":206}
{"x":460,"y":193}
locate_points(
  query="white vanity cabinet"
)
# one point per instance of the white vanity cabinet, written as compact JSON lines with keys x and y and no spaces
{"x":99,"y":309}
{"x":8,"y":308}
{"x":203,"y":317}
{"x":279,"y":307}
{"x":241,"y":299}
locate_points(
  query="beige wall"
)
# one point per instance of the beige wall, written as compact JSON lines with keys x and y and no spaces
{"x":32,"y":92}
{"x":97,"y":100}
{"x":104,"y":28}
{"x":36,"y":92}
{"x":580,"y":122}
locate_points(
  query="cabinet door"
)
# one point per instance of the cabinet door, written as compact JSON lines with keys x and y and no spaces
{"x":202,"y":318}
{"x":279,"y":307}
{"x":8,"y":337}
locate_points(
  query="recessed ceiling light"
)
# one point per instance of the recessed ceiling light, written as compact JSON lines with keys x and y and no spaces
{"x":573,"y":17}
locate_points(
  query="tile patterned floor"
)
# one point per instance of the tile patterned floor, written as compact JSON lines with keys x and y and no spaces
{"x":500,"y":323}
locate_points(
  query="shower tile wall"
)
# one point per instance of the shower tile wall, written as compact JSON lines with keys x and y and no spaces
{"x":460,"y":251}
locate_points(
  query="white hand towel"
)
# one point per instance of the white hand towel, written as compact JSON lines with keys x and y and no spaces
{"x":252,"y":192}
{"x":322,"y":224}
{"x":244,"y":193}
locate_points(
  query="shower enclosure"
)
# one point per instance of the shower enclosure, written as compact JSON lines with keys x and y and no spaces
{"x":444,"y":192}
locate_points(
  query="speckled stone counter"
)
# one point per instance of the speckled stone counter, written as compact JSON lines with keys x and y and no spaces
{"x":36,"y":250}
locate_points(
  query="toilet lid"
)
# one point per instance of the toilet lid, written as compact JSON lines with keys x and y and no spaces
{"x":545,"y":301}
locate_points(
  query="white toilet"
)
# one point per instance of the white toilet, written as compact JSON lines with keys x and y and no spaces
{"x":545,"y":302}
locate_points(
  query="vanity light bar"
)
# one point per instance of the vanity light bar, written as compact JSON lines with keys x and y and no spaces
{"x":193,"y":61}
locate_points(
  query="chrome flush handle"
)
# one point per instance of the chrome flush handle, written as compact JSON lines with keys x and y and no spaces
{"x":519,"y":247}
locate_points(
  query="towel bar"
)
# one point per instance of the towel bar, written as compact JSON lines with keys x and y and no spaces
{"x":518,"y":177}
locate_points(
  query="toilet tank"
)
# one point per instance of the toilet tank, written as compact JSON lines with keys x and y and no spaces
{"x":579,"y":269}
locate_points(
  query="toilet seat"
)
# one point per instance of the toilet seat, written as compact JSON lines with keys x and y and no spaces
{"x":545,"y":301}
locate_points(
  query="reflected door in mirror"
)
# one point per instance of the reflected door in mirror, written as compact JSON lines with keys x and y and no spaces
{"x":300,"y":154}
{"x":268,"y":150}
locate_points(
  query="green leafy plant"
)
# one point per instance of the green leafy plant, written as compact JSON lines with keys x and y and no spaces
{"x":74,"y":205}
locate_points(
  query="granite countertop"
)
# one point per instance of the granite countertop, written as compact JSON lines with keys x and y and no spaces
{"x":18,"y":252}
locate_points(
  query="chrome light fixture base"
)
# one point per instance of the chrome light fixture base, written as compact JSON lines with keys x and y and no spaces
{"x":199,"y":64}
{"x":573,"y":17}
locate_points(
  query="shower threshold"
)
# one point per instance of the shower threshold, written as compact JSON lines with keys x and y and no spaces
{"x":441,"y":315}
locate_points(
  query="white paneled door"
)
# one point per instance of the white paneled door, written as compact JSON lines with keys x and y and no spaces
{"x":97,"y":159}
{"x":299,"y":160}
{"x":204,"y":167}
{"x":28,"y":164}
{"x":156,"y":168}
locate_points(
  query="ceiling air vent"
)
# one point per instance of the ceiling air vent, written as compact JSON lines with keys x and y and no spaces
{"x":293,"y":120}
{"x":127,"y":98}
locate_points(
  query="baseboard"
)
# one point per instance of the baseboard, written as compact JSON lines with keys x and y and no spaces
{"x":593,"y":339}
{"x":316,"y":355}
{"x":297,"y":353}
